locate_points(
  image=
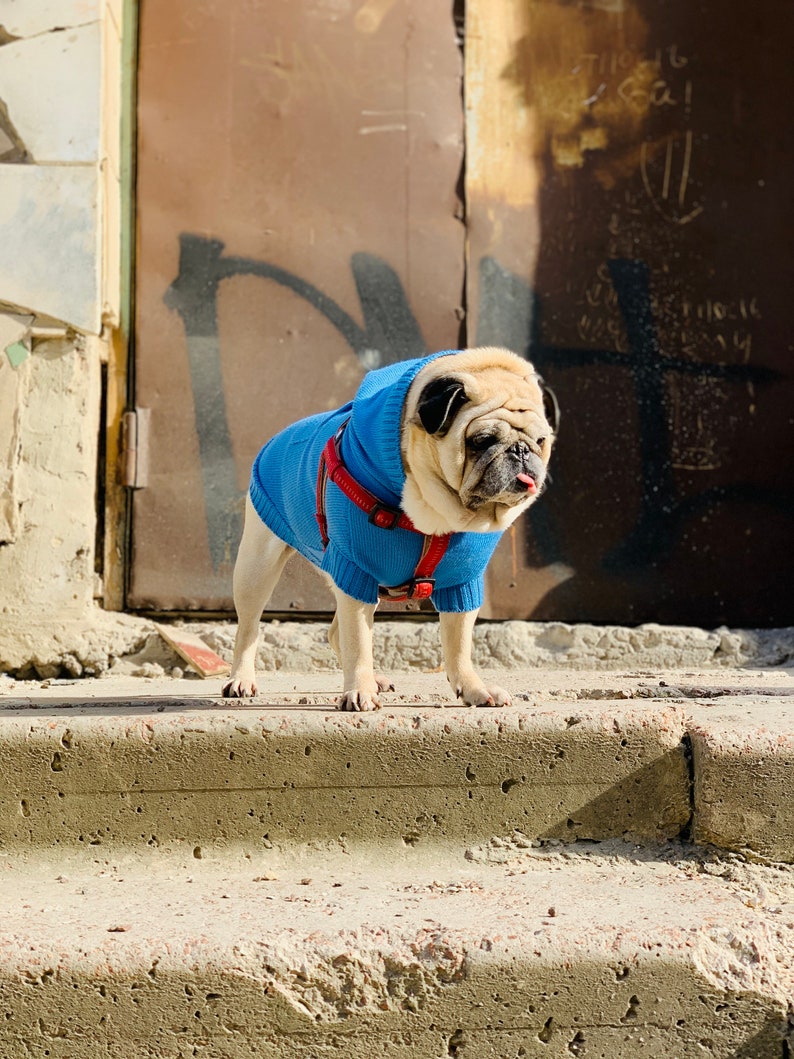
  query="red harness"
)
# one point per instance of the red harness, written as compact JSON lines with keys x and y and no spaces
{"x":382,"y":515}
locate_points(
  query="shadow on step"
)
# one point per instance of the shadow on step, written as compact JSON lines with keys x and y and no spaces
{"x":652,"y":802}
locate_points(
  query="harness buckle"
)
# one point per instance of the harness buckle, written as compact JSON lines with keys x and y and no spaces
{"x":384,"y":517}
{"x":421,"y":587}
{"x":416,"y":588}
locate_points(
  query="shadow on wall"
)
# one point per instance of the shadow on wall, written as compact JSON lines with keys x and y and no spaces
{"x":659,"y":311}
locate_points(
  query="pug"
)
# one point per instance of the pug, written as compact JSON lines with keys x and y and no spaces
{"x":401,"y":494}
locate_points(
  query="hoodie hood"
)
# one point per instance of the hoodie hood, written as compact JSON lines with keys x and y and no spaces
{"x":371,"y":446}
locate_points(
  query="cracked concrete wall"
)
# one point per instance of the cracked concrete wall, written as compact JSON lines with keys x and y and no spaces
{"x":47,"y":554}
{"x":59,"y":291}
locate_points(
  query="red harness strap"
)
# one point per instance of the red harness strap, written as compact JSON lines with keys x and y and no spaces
{"x":382,"y":515}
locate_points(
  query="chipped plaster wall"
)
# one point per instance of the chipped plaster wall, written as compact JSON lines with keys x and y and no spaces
{"x":47,"y":559}
{"x":59,"y":196}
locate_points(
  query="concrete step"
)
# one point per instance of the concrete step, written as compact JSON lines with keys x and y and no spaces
{"x":140,"y":764}
{"x":179,"y":877}
{"x":608,"y":951}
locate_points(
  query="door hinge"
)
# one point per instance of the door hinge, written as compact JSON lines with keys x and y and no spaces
{"x":134,"y":461}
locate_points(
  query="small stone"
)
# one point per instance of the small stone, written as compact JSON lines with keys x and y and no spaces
{"x":72,"y":666}
{"x":149,"y":669}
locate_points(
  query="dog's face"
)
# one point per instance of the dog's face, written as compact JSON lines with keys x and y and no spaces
{"x":478,"y":428}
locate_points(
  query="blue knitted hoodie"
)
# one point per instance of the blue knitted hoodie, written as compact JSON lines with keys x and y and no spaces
{"x":361,"y":556}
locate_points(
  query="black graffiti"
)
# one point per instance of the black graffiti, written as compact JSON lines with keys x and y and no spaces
{"x":390,"y":333}
{"x":661,"y":513}
{"x":509,"y":315}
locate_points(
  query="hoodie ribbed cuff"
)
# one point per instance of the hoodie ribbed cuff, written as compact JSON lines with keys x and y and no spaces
{"x":349,"y":577}
{"x":460,"y":598}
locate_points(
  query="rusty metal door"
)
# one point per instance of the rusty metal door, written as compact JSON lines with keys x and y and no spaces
{"x":298,"y":223}
{"x":627,"y":219}
{"x":630,"y":215}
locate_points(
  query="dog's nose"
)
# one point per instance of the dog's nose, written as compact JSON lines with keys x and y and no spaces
{"x":526,"y":465}
{"x":520,"y":451}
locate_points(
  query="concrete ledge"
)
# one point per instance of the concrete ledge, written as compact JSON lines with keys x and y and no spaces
{"x":744,"y":777}
{"x":586,"y":755}
{"x":611,"y":954}
{"x":185,"y":774}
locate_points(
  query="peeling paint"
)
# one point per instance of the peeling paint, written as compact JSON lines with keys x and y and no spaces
{"x":12,"y":149}
{"x":584,"y":73}
{"x":17,"y":353}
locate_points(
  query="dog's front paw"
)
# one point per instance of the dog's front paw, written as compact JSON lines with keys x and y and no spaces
{"x":499,"y":696}
{"x":357,"y":701}
{"x":476,"y":694}
{"x":238,"y":689}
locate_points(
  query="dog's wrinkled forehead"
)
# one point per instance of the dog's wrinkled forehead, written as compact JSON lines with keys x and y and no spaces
{"x":488,"y":391}
{"x":507,"y":390}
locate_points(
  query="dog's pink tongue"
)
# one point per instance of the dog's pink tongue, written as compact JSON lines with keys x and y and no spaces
{"x":528,"y":481}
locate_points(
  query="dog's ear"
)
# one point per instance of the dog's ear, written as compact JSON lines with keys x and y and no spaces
{"x":439,"y":403}
{"x":551,"y":408}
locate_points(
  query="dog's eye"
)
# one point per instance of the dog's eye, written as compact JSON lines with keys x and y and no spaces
{"x":540,"y":442}
{"x":481,"y":442}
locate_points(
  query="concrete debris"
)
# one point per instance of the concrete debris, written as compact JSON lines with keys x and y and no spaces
{"x":127,"y":645}
{"x":405,"y":645}
{"x":124,"y":644}
{"x":61,"y":646}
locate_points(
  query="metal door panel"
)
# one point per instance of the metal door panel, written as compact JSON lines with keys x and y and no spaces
{"x":627,"y":226}
{"x":639,"y":257}
{"x":298,"y":164}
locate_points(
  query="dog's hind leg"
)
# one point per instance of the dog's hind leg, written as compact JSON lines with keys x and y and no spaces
{"x":333,"y":638}
{"x":260,"y":561}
